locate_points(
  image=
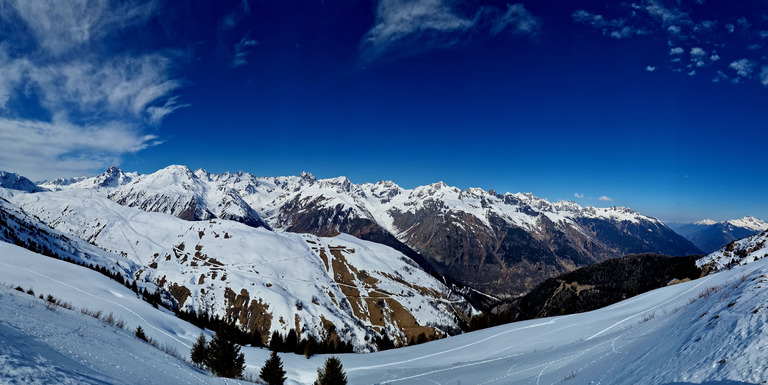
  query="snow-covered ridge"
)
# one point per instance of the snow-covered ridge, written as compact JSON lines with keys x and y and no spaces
{"x":17,"y":182}
{"x":266,"y":195}
{"x":750,"y":223}
{"x":173,"y":190}
{"x":739,"y":252}
{"x":268,"y":281}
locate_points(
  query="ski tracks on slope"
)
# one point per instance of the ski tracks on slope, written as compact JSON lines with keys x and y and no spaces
{"x":101,"y":298}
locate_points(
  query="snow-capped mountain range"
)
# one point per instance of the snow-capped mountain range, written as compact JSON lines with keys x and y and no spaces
{"x":709,"y":235}
{"x":500,"y":244}
{"x":267,"y":281}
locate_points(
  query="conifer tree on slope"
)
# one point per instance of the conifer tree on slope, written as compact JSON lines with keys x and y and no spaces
{"x":224,"y":358}
{"x":199,"y":350}
{"x":272,"y":372}
{"x":140,"y":333}
{"x":332,"y":373}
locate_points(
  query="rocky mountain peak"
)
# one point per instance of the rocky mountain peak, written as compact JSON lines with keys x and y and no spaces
{"x":307,"y":176}
{"x":13,"y":181}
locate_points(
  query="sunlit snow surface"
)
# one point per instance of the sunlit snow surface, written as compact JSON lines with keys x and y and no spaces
{"x":667,"y":336}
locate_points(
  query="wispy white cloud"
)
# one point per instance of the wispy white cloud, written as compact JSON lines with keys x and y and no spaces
{"x":517,"y":18}
{"x":705,"y":26}
{"x":605,"y":199}
{"x":661,"y":13}
{"x":650,"y":68}
{"x":719,"y":77}
{"x":45,"y":150}
{"x":743,"y":23}
{"x":406,"y":27}
{"x":577,"y":195}
{"x":98,"y":101}
{"x":60,"y":26}
{"x":241,"y":51}
{"x":615,"y":28}
{"x":743,"y":67}
{"x":698,"y":56}
{"x":764,"y":75}
{"x":688,"y":29}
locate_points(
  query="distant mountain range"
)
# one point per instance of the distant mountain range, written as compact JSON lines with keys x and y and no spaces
{"x":498,"y":244}
{"x":709,"y":235}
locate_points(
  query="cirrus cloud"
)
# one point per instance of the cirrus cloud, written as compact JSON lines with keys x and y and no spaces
{"x":605,"y":199}
{"x":408,"y":27}
{"x":73,"y":98}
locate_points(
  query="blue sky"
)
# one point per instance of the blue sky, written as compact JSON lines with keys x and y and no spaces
{"x":655,"y":105}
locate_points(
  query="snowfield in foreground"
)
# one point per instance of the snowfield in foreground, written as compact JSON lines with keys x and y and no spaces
{"x":709,"y":330}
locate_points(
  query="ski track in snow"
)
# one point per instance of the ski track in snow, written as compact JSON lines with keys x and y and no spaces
{"x":701,"y":282}
{"x":454,"y":349}
{"x":103,"y":299}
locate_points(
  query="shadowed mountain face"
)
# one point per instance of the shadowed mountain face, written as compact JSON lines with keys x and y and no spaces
{"x":499,"y":244}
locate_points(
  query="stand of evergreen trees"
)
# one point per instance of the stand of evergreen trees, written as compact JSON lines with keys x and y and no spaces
{"x":291,"y":343}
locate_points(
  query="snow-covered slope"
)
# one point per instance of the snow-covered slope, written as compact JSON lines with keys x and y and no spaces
{"x":41,"y":345}
{"x":712,"y":330}
{"x":265,"y":280}
{"x":18,"y":227}
{"x":739,"y":252}
{"x":710,"y":236}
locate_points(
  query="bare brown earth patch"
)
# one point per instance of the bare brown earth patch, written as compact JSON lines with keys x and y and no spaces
{"x":377,"y":307}
{"x":251,"y":314}
{"x":180,"y":293}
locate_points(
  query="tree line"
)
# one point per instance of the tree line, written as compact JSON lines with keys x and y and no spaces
{"x":222,"y":356}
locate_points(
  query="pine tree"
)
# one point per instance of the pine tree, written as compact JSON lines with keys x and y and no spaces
{"x":199,"y":350}
{"x":272,"y":372}
{"x":332,"y":373}
{"x":276,"y":342}
{"x":224,"y":358}
{"x":140,"y":334}
{"x":291,"y":341}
